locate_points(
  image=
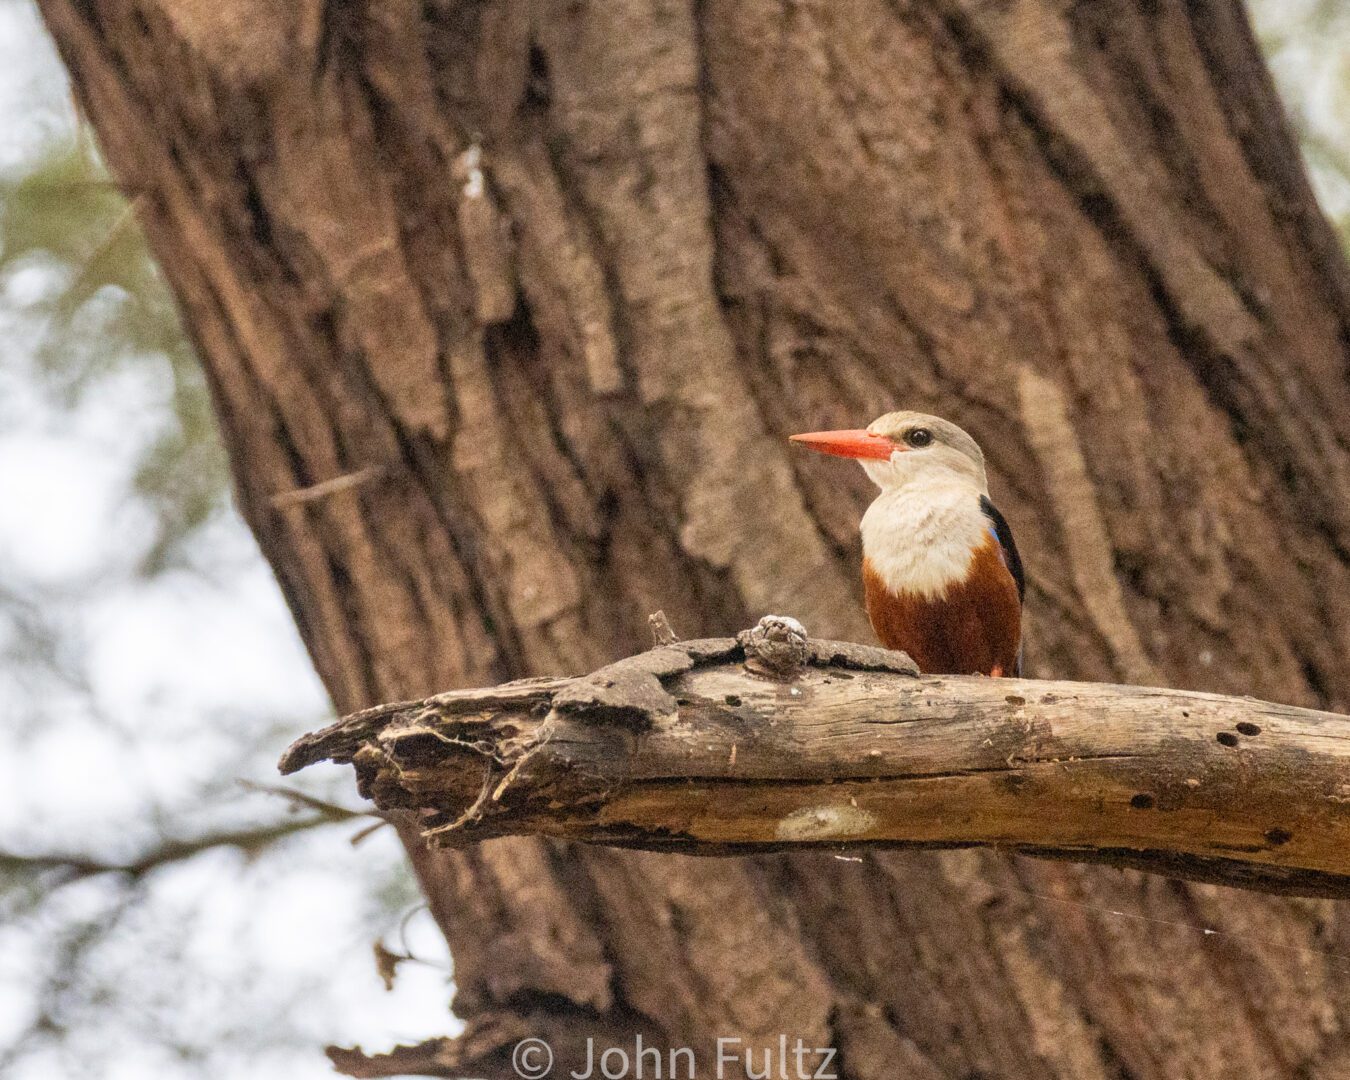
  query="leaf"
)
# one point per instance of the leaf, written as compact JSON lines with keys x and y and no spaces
{"x":386,"y":964}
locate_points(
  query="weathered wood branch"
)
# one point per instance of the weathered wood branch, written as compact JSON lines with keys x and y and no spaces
{"x":771,"y":742}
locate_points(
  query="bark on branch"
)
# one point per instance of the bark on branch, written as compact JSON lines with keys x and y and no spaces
{"x":770,"y":741}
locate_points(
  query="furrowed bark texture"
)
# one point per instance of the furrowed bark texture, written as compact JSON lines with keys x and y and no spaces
{"x":508,"y":308}
{"x":704,"y":748}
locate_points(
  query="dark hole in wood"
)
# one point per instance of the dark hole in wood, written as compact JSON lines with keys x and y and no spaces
{"x":1185,"y":712}
{"x":1279,"y":836}
{"x":733,"y":700}
{"x":1013,"y":699}
{"x":1247,"y":728}
{"x":1142,"y":801}
{"x":1227,"y":738}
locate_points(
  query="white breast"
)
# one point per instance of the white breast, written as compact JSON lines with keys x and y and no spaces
{"x":921,"y":537}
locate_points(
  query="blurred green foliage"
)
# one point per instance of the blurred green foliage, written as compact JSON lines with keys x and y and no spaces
{"x":1307,"y":43}
{"x":101,"y":306}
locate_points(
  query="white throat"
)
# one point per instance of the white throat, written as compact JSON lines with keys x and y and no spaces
{"x":920,"y":535}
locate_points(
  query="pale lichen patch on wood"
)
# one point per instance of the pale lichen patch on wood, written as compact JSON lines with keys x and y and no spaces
{"x":825,"y":823}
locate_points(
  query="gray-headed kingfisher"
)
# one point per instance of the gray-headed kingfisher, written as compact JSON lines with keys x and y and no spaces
{"x":941,"y":574}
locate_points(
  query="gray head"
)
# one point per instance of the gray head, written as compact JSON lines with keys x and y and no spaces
{"x":925,"y":447}
{"x":903,"y":447}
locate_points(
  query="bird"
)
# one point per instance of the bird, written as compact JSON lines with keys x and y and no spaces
{"x":942,"y":577}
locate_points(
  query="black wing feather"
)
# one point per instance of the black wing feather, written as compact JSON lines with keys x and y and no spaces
{"x":1005,"y":540}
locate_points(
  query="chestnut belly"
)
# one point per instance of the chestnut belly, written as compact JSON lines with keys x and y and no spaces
{"x":973,"y":628}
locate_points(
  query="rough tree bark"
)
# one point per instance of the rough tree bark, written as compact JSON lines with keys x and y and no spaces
{"x":508,"y":306}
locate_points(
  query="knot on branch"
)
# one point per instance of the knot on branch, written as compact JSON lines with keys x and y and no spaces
{"x":776,"y":646}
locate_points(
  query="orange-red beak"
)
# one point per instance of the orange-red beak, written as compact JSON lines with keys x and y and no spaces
{"x":853,"y":443}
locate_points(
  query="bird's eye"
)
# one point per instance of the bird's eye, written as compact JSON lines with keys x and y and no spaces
{"x":919,"y":437}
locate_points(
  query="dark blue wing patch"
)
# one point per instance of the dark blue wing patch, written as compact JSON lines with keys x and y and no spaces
{"x":998,"y":525}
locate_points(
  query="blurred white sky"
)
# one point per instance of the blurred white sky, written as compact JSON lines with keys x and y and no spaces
{"x":251,"y":970}
{"x":1308,"y":45}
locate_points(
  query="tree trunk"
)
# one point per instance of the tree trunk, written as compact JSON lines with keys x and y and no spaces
{"x":549,"y":284}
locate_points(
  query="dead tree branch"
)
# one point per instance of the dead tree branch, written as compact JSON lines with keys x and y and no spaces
{"x":772,"y":742}
{"x":65,"y":868}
